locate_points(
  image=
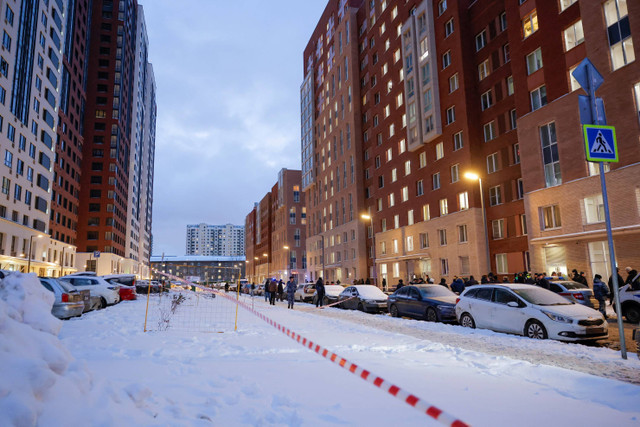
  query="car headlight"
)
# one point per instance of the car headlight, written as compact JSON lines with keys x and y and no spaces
{"x":557,"y":317}
{"x":444,"y":307}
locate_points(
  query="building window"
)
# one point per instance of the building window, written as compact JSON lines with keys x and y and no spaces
{"x":442,"y":237}
{"x":455,"y":173}
{"x":391,"y":200}
{"x":409,"y":243}
{"x":442,"y":6}
{"x":424,"y":240}
{"x":481,"y":40}
{"x":444,"y":266}
{"x":463,"y":201}
{"x":573,"y":35}
{"x":446,"y":59}
{"x":439,"y":150}
{"x":506,"y":54}
{"x":523,"y":224}
{"x":495,"y":196}
{"x":516,"y":153}
{"x":619,"y":32}
{"x":410,"y":220}
{"x":436,"y":181}
{"x":448,"y":28}
{"x":550,"y":157}
{"x":565,"y":4}
{"x":451,"y":114}
{"x":458,"y":142}
{"x":426,"y":212}
{"x":444,"y":207}
{"x":530,"y":24}
{"x":483,"y":70}
{"x":636,"y":94}
{"x":534,"y":61}
{"x":497,"y":228}
{"x":419,"y":188}
{"x":423,"y":155}
{"x":501,"y":264}
{"x":492,"y":163}
{"x":453,"y":83}
{"x":462,"y":233}
{"x":520,"y":188}
{"x":292,"y":216}
{"x":503,"y":21}
{"x":486,"y":100}
{"x":550,"y":217}
{"x":489,"y":131}
{"x":405,"y":194}
{"x":594,"y":209}
{"x":510,"y":85}
{"x":538,"y":98}
{"x":407,"y":167}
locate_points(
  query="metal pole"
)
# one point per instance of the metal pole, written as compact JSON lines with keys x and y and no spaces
{"x":486,"y":230}
{"x":29,"y":257}
{"x":62,"y":263}
{"x":373,"y":251}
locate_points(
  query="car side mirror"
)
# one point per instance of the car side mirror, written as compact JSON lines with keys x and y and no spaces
{"x":513,"y":304}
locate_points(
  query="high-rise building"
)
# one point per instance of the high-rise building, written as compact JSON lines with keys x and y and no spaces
{"x":215,"y":240}
{"x":32,"y":89}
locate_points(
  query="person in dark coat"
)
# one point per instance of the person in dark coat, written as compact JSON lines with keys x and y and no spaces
{"x":484,"y":279}
{"x":319,"y":292}
{"x":443,"y":282}
{"x":457,"y":285}
{"x":273,"y":288}
{"x":579,"y":277}
{"x":543,"y":282}
{"x":400,"y":284}
{"x":471,"y":282}
{"x":620,"y":283}
{"x":600,"y":292}
{"x":267,"y":282}
{"x":291,"y":292}
{"x":281,"y":290}
{"x":632,"y":278}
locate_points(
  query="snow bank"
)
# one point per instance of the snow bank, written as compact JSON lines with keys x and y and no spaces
{"x":41,"y":381}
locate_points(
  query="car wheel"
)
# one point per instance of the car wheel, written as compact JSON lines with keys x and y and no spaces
{"x":432,"y":316}
{"x":535,"y":330}
{"x":632,"y":313}
{"x":467,"y":321}
{"x":361,"y":307}
{"x":103,"y":303}
{"x":394,"y":311}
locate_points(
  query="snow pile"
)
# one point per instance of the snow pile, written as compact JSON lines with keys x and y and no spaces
{"x":40,"y":378}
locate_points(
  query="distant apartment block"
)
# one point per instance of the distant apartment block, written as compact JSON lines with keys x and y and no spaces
{"x":215,"y":240}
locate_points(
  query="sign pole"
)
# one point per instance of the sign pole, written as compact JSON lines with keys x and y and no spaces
{"x":590,"y":79}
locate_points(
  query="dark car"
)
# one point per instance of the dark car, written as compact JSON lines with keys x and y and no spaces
{"x":367,"y":298}
{"x":434,"y":303}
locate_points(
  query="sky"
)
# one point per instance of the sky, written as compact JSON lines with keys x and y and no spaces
{"x":228,"y":76}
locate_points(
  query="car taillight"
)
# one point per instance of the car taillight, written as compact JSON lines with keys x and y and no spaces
{"x":578,"y":295}
{"x":65,"y":297}
{"x":457,"y":299}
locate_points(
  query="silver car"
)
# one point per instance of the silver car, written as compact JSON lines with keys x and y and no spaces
{"x":69,"y":302}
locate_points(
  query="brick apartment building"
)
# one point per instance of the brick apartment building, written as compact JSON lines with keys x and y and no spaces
{"x":275,"y":232}
{"x":401,"y":99}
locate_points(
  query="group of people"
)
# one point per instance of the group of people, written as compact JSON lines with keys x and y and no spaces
{"x":276,"y":289}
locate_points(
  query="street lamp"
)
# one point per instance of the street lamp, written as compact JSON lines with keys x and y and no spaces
{"x":373,"y":245}
{"x":267,"y":257}
{"x":29,"y":259}
{"x":475,"y":177}
{"x":287,"y":260}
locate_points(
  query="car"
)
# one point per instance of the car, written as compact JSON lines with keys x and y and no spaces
{"x":127,"y":284}
{"x":529,"y":310}
{"x":630,"y":303}
{"x":367,"y":298}
{"x":304,"y":292}
{"x":69,"y":301}
{"x":434,"y":303}
{"x":331,"y":294}
{"x":573,"y":291}
{"x":147,"y":286}
{"x":109,"y":293}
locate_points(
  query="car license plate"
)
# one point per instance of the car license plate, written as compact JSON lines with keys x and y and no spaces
{"x":595,"y":330}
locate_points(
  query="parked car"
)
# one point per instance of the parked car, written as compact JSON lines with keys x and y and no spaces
{"x":109,"y":293}
{"x":331,"y":294}
{"x":142,"y":286}
{"x":434,"y":303}
{"x":529,"y":310}
{"x":367,"y":298}
{"x":304,"y":292}
{"x":630,"y":303}
{"x":573,"y":291}
{"x":127,"y":284}
{"x":69,"y":301}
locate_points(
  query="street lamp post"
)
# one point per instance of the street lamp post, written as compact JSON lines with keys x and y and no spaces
{"x":267,"y":257}
{"x":30,"y":251}
{"x":475,"y":177}
{"x":373,"y":245}
{"x":287,"y":260}
{"x":322,"y":241}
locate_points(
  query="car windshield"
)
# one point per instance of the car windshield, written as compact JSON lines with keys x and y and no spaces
{"x":435,"y":291}
{"x":370,"y":291}
{"x":540,"y":296}
{"x":573,"y":285}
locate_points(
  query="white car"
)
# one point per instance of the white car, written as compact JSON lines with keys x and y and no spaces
{"x":529,"y":310}
{"x":304,"y":292}
{"x":109,"y":293}
{"x":331,"y":294}
{"x":630,"y":303}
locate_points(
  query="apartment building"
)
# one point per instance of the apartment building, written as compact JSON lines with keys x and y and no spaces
{"x":201,"y":269}
{"x":275,"y":238}
{"x":31,"y":81}
{"x":563,"y":196}
{"x":215,"y":240}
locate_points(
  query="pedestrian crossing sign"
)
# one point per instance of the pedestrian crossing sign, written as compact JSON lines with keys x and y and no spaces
{"x":600,"y":143}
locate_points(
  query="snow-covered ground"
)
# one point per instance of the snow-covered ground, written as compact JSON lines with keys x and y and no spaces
{"x":258,"y":376}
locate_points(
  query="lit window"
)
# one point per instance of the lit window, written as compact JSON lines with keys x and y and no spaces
{"x":619,"y":32}
{"x":573,"y":35}
{"x":483,"y":70}
{"x":444,"y":207}
{"x":530,"y":24}
{"x":439,"y":150}
{"x":534,"y":61}
{"x":463,"y":201}
{"x":550,"y":217}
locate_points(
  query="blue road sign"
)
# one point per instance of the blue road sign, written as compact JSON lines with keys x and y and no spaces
{"x":588,"y":76}
{"x":96,"y":254}
{"x":600,"y":143}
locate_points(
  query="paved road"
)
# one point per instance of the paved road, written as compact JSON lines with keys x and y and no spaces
{"x":578,"y":359}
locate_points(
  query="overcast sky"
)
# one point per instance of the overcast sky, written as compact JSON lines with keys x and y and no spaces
{"x":228,"y":77}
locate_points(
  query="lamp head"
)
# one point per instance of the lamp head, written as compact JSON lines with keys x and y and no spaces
{"x":472,"y":176}
{"x":365,"y":216}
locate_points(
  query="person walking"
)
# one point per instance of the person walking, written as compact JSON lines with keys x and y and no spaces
{"x":457,"y":285}
{"x":281,"y":290}
{"x":253,"y":288}
{"x":320,"y":292}
{"x":273,"y":288}
{"x":600,"y":292}
{"x":291,"y":292}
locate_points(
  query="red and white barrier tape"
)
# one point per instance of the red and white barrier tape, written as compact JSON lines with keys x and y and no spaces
{"x":336,"y":303}
{"x":410,"y":399}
